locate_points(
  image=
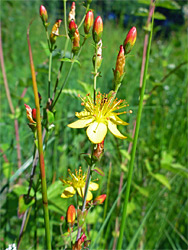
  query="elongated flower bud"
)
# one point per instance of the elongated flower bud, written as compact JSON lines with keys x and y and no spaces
{"x":55,"y":31}
{"x":97,"y":29}
{"x":43,"y":14}
{"x":99,"y":200}
{"x":88,"y":21}
{"x":72,"y":28}
{"x":71,"y":215}
{"x":120,"y":65}
{"x":76,"y":42}
{"x":30,"y":114}
{"x":130,"y":40}
{"x":72,"y":12}
{"x":98,"y":56}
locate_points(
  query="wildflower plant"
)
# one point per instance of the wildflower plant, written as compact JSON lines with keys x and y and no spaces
{"x":101,"y":113}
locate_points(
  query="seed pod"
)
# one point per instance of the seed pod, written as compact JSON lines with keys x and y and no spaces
{"x":72,"y":12}
{"x":55,"y":31}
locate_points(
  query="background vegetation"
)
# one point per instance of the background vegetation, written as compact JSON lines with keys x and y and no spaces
{"x":157,"y":212}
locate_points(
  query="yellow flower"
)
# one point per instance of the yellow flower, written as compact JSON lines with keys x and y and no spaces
{"x":76,"y":183}
{"x":100,"y":117}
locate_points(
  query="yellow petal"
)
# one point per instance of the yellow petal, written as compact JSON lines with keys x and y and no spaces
{"x":81,"y":191}
{"x":115,"y":119}
{"x":93,"y":186}
{"x":68,"y":192}
{"x":80,"y":123}
{"x":113,"y":129}
{"x":96,"y":132}
{"x":89,"y":196}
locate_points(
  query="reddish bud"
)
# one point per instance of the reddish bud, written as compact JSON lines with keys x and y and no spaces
{"x":88,"y":21}
{"x":71,"y":215}
{"x":72,"y":12}
{"x":62,"y":218}
{"x":97,"y":29}
{"x":99,"y":200}
{"x":130,"y":40}
{"x":78,"y":244}
{"x":29,"y":114}
{"x":55,"y":31}
{"x":72,"y":28}
{"x":43,"y":14}
{"x":34,"y":114}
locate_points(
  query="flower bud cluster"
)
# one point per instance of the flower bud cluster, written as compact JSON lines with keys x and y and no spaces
{"x":75,"y":36}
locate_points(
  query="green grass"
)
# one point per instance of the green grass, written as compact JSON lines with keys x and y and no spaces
{"x":157,"y":220}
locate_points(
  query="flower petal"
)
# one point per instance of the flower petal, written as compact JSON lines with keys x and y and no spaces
{"x":81,"y":191}
{"x":96,"y":132}
{"x":115,"y":119}
{"x":82,"y":123}
{"x":68,"y":192}
{"x":113,"y":129}
{"x":89,"y":196}
{"x":93,"y":186}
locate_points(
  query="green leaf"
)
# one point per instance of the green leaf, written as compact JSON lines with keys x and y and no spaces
{"x":73,"y":92}
{"x":125,"y":154}
{"x":130,"y":207}
{"x":162,"y":179}
{"x":55,"y":189}
{"x":7,"y":169}
{"x":22,"y":206}
{"x":70,"y":60}
{"x":144,"y":13}
{"x":148,"y":166}
{"x":168,"y":4}
{"x":142,"y":190}
{"x":99,"y":171}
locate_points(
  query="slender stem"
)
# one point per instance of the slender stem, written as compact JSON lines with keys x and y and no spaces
{"x":84,"y":16}
{"x":95,"y":75}
{"x":127,"y":192}
{"x":40,"y":148}
{"x":49,"y":73}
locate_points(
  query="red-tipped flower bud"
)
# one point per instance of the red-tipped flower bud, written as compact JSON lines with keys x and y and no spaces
{"x":34,"y":114}
{"x":72,"y":12}
{"x":43,"y":14}
{"x":62,"y":218}
{"x":97,"y":29}
{"x":130,"y":40}
{"x":71,"y":215}
{"x":120,"y":63}
{"x":29,"y":114}
{"x":55,"y":31}
{"x":88,"y":21}
{"x":72,"y":28}
{"x":99,"y":200}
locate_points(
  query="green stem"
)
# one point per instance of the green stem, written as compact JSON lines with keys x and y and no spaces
{"x":84,"y":16}
{"x":40,"y":148}
{"x":65,"y":17}
{"x":127,"y":192}
{"x":49,"y":73}
{"x":95,"y":75}
{"x":88,"y":179}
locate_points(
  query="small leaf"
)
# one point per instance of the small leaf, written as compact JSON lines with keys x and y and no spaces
{"x":7,"y":169}
{"x":142,"y":190}
{"x":22,"y":206}
{"x":148,"y":166}
{"x":125,"y":153}
{"x":162,"y":179}
{"x":99,"y":171}
{"x":88,"y":159}
{"x":130,"y":207}
{"x":50,"y":116}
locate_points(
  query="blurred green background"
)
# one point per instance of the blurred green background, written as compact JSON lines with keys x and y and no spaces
{"x":157,"y":212}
